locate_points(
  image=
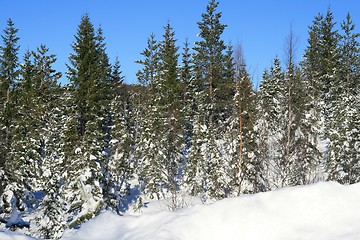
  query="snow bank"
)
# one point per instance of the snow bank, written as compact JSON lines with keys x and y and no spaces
{"x":7,"y":235}
{"x":323,"y":211}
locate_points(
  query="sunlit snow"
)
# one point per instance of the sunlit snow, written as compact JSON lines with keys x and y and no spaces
{"x":322,"y":211}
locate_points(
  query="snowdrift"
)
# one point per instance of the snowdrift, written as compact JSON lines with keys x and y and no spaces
{"x":7,"y":235}
{"x":322,"y":211}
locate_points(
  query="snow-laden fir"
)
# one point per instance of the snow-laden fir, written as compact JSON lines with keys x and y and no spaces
{"x":321,"y":211}
{"x":194,"y":126}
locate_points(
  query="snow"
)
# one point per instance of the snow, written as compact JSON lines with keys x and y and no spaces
{"x":7,"y":235}
{"x":15,"y":219}
{"x":322,"y":211}
{"x":113,"y":141}
{"x":78,"y":151}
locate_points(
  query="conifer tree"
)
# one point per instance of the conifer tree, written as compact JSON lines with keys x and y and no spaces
{"x":205,"y":173}
{"x":241,"y":134}
{"x":88,"y":73}
{"x":119,"y":168}
{"x":321,"y":61}
{"x":150,"y":69}
{"x":170,"y":93}
{"x":163,"y":154}
{"x":343,"y":153}
{"x":146,"y":142}
{"x":186,"y":79}
{"x":9,"y":73}
{"x":9,"y":62}
{"x":47,"y":96}
{"x":272,"y":98}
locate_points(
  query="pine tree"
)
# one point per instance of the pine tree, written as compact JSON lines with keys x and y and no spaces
{"x":322,"y":79}
{"x":205,"y":173}
{"x":301,"y":152}
{"x":349,"y":55}
{"x":146,"y":144}
{"x":170,"y":91}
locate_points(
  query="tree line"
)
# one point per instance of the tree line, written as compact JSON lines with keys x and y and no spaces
{"x":193,"y":125}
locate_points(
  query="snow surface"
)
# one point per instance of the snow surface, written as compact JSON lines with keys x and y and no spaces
{"x":322,"y":211}
{"x":7,"y":235}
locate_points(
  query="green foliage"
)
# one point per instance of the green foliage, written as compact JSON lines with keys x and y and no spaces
{"x":213,"y":92}
{"x":343,"y":152}
{"x":195,"y":127}
{"x":148,"y":74}
{"x":162,"y":140}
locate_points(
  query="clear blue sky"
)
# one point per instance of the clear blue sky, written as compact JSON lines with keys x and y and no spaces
{"x":260,"y":25}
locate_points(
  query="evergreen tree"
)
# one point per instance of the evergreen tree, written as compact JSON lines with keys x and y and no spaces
{"x":9,"y":73}
{"x":149,"y":71}
{"x":205,"y":162}
{"x":349,"y":55}
{"x":47,"y":92}
{"x":321,"y":61}
{"x":186,"y":79}
{"x":119,"y":168}
{"x":163,"y":132}
{"x":241,"y":133}
{"x":343,"y":154}
{"x":88,"y":75}
{"x":299,"y":141}
{"x":9,"y":62}
{"x":272,"y":103}
{"x":322,"y":78}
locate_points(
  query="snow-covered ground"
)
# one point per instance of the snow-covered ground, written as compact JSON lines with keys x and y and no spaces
{"x":322,"y":211}
{"x":7,"y":235}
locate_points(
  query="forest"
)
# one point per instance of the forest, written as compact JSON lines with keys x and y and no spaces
{"x":194,"y":125}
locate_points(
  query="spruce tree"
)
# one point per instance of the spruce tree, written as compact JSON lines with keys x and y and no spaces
{"x":343,"y":153}
{"x":241,"y":133}
{"x":186,"y":79}
{"x":321,"y":61}
{"x":49,"y":114}
{"x":150,"y":69}
{"x":272,"y":103}
{"x":9,"y":62}
{"x":88,"y":73}
{"x":163,"y":131}
{"x":9,"y":73}
{"x":119,"y":168}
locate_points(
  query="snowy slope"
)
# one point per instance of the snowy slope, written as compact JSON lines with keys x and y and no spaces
{"x":7,"y":235}
{"x":323,"y":211}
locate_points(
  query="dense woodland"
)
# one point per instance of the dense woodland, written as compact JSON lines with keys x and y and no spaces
{"x":194,"y":125}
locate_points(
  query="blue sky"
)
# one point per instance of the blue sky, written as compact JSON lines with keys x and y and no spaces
{"x":260,"y":25}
